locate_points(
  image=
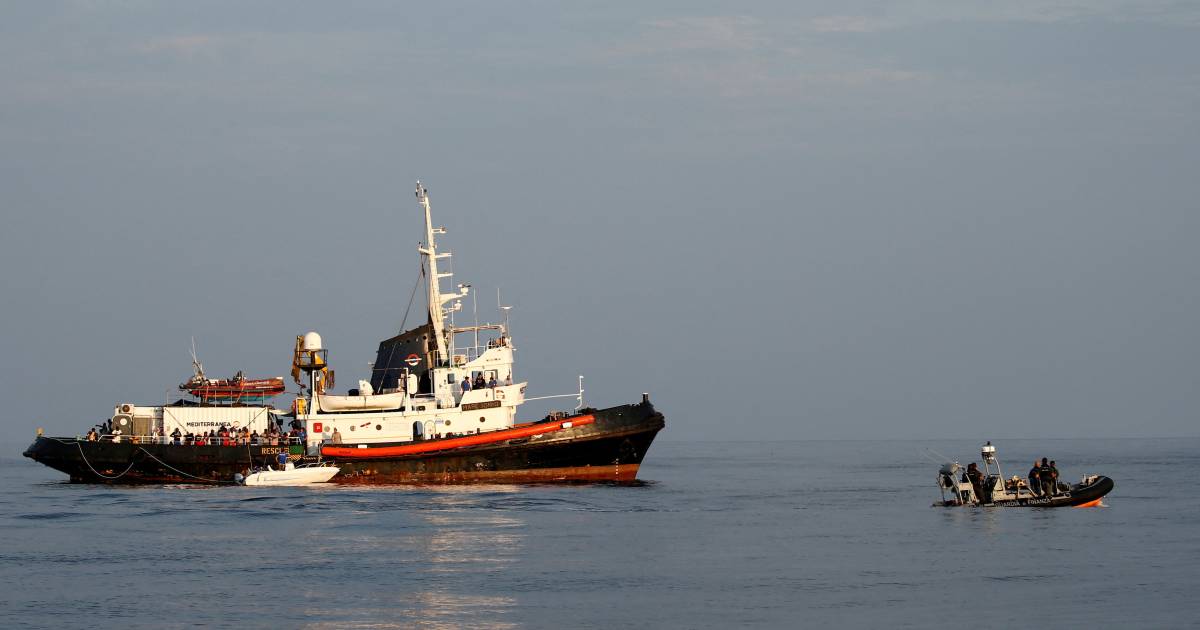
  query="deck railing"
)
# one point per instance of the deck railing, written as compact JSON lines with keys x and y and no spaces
{"x":216,"y":441}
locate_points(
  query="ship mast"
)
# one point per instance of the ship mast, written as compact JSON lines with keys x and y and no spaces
{"x":437,"y":312}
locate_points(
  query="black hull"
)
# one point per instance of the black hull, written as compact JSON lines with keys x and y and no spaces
{"x":610,"y":449}
{"x":1079,"y":495}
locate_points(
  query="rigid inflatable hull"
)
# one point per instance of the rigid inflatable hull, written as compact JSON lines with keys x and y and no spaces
{"x":609,"y":449}
{"x":1077,"y":496}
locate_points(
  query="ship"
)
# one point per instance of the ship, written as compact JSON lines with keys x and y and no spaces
{"x":989,"y":488}
{"x":441,"y":405}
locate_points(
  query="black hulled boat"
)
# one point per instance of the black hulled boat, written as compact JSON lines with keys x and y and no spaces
{"x":440,"y":407}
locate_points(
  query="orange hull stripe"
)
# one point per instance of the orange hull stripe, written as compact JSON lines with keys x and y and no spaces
{"x":442,"y":445}
{"x":617,"y":473}
{"x":1095,"y":503}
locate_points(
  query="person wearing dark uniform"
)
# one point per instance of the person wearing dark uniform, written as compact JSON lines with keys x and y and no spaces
{"x":1046,"y":475}
{"x":976,"y":478}
{"x":1035,"y":484}
{"x":1054,"y":474}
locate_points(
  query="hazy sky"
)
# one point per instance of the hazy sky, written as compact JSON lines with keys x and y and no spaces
{"x":784,"y":220}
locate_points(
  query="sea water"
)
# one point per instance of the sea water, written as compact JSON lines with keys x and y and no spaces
{"x":749,"y":534}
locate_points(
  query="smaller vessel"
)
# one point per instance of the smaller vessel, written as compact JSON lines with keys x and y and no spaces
{"x":238,"y":389}
{"x":290,"y":475}
{"x":989,"y":488}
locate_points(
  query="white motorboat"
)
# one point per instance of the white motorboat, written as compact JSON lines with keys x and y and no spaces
{"x":289,"y":476}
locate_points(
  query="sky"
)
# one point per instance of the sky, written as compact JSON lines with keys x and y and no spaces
{"x":783,"y":220}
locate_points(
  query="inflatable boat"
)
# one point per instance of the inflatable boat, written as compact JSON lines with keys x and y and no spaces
{"x":989,"y":488}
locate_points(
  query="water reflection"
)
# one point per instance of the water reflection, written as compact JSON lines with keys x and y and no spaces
{"x":444,"y":549}
{"x":427,"y":609}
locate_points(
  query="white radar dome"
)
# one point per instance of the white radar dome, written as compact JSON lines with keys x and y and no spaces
{"x":312,"y":341}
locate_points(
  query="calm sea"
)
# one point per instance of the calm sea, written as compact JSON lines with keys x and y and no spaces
{"x":782,"y":534}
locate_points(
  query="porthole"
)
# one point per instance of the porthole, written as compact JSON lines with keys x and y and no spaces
{"x":482,"y":419}
{"x":379,"y":427}
{"x":447,"y":423}
{"x":352,"y":427}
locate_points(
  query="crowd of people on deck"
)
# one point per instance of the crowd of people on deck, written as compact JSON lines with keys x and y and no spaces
{"x":222,"y":436}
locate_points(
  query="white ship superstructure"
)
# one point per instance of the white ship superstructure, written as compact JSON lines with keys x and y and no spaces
{"x":426,"y":399}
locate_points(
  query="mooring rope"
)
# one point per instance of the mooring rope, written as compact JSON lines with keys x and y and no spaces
{"x":98,"y":473}
{"x":173,"y":468}
{"x":131,"y":464}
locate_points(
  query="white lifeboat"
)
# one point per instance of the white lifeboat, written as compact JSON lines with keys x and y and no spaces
{"x":290,"y":476}
{"x":359,"y":403}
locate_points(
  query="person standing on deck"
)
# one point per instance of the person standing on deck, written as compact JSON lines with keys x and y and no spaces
{"x":1035,"y":484}
{"x":1046,"y":474}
